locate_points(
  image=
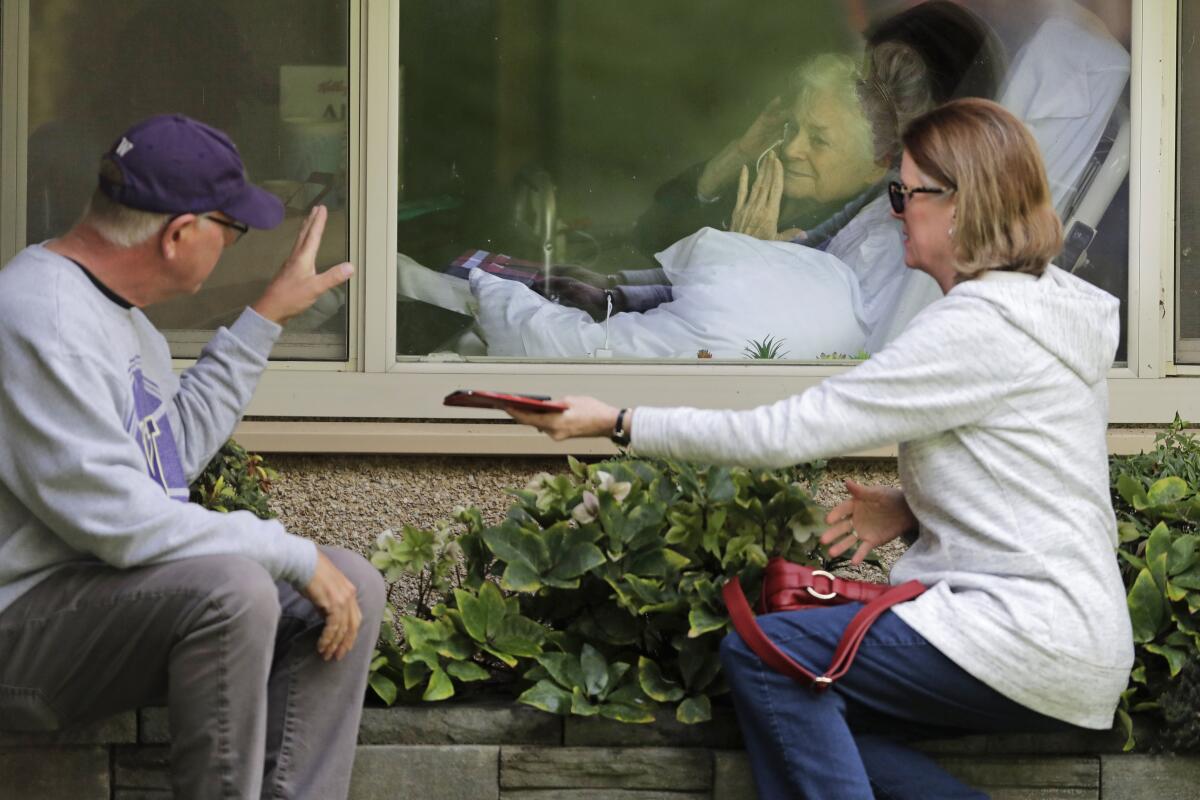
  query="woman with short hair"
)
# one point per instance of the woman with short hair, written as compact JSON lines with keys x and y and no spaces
{"x":997,"y":395}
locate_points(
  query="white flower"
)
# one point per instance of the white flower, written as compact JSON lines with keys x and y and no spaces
{"x":385,"y":538}
{"x":587,"y":509}
{"x":544,"y":493}
{"x":538,"y":482}
{"x":618,"y":489}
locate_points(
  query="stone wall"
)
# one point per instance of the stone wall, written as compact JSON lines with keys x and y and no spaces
{"x":496,"y":751}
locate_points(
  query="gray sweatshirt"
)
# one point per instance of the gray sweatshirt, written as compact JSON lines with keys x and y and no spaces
{"x":99,"y":438}
{"x":997,"y":395}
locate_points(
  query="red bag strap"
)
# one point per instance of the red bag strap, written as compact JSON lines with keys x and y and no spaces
{"x":747,"y":627}
{"x":787,"y":586}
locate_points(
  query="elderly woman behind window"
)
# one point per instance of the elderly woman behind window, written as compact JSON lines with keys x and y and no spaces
{"x":716,"y":292}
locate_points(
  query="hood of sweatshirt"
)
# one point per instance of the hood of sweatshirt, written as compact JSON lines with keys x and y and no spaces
{"x":1068,"y":317}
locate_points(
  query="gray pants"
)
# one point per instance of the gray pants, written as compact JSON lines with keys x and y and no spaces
{"x":253,"y":709}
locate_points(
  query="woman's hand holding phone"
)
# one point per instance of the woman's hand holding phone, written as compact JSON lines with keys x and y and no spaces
{"x":584,"y":416}
{"x":502,"y":401}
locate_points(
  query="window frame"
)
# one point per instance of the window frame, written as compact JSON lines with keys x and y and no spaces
{"x":395,"y":406}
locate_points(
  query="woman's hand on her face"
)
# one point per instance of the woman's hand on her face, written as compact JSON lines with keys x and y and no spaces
{"x":874,"y":515}
{"x":766,"y":130}
{"x":585,"y":416}
{"x":757,"y":210}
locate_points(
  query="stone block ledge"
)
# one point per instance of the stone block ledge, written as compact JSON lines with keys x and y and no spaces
{"x":503,"y":751}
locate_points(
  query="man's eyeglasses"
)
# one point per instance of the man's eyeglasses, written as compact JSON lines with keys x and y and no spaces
{"x":242,"y":228}
{"x":898,"y":193}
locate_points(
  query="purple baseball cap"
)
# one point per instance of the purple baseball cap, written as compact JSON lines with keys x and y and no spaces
{"x":172,"y":164}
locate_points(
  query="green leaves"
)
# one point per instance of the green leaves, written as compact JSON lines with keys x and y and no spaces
{"x":234,"y":480}
{"x":497,"y":625}
{"x":547,"y":696}
{"x":409,"y":553}
{"x":588,"y":685}
{"x":436,"y":650}
{"x":554,"y":557}
{"x":694,"y":710}
{"x":1167,"y":491}
{"x":702,"y":621}
{"x":1146,"y":607}
{"x":655,"y":685}
{"x":598,"y":594}
{"x":1158,"y":509}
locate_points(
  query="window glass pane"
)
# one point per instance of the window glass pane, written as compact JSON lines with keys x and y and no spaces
{"x":1187,"y":297}
{"x":273,"y":74}
{"x":591,"y":136}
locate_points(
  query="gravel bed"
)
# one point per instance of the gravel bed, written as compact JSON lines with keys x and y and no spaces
{"x":347,"y":501}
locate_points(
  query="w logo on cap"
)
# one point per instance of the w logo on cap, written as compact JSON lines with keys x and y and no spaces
{"x":182,"y":166}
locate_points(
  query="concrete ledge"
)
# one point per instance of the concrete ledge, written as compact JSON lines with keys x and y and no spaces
{"x":502,"y":751}
{"x":49,"y":773}
{"x":121,"y":729}
{"x":657,"y":768}
{"x":432,"y":772}
{"x":1140,"y":777}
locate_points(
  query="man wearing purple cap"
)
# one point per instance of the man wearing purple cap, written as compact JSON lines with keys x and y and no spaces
{"x":115,"y":592}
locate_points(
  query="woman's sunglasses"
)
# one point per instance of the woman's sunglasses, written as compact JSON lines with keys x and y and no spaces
{"x":898,"y":193}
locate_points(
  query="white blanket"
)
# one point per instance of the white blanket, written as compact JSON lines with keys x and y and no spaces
{"x":729,"y":290}
{"x":872,"y":245}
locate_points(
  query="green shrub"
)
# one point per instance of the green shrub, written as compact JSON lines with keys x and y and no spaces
{"x":1156,"y":498}
{"x":235,"y":480}
{"x":613,"y":573}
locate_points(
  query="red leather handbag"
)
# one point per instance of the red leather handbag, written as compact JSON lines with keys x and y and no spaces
{"x":794,"y":587}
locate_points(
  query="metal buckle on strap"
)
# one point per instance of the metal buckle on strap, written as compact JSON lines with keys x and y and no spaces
{"x":822,"y":683}
{"x":821,"y":595}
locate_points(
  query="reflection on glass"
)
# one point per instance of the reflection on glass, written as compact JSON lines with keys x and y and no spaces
{"x":1187,"y":295}
{"x":591,"y":180}
{"x":273,"y":74}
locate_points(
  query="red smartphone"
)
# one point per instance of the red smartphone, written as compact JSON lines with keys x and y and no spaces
{"x":526,"y":402}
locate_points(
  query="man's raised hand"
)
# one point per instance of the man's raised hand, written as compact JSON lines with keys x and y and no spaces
{"x":297,"y":285}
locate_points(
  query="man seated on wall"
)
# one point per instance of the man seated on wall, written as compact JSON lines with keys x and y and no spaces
{"x":115,"y":592}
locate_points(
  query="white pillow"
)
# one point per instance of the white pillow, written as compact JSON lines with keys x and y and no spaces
{"x":729,"y":289}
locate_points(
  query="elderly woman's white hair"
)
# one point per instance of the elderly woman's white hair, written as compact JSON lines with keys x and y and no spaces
{"x":839,"y":75}
{"x":893,"y":90}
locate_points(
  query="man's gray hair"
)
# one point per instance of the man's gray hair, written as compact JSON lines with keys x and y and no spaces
{"x":117,"y":224}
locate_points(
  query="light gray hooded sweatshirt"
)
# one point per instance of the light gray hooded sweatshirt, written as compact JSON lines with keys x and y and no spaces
{"x":998,"y":398}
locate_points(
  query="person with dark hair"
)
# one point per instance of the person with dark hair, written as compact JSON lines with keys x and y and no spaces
{"x":115,"y":591}
{"x":961,"y":54}
{"x":990,"y":392}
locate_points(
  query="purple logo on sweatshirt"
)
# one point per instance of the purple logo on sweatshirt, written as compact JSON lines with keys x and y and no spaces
{"x":152,"y":430}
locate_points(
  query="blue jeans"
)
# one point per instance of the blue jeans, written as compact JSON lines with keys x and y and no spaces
{"x":848,"y":743}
